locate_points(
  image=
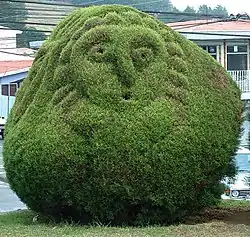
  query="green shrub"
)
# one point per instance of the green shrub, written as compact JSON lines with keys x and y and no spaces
{"x":121,"y":120}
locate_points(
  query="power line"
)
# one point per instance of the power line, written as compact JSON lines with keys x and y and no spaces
{"x":7,"y":19}
{"x":34,"y":23}
{"x":184,"y":19}
{"x":42,"y":3}
{"x":45,"y":31}
{"x":196,"y":24}
{"x":28,"y":23}
{"x":184,"y":14}
{"x":143,"y":3}
{"x":17,"y":54}
{"x":97,"y":1}
{"x":54,"y":24}
{"x":87,"y":4}
{"x":53,"y":3}
{"x":13,"y":48}
{"x":26,"y":36}
{"x":39,"y":9}
{"x":160,"y":14}
{"x":33,"y":17}
{"x":182,"y":32}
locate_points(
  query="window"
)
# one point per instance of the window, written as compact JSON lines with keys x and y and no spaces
{"x":5,"y":90}
{"x":237,"y":58}
{"x":237,"y":48}
{"x":9,"y":89}
{"x":13,"y":89}
{"x":211,"y":49}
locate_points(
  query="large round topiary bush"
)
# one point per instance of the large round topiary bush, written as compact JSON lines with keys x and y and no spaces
{"x":121,"y":120}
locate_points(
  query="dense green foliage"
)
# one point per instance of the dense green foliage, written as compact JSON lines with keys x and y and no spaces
{"x":121,"y":120}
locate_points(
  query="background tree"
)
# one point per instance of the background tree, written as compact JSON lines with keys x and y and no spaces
{"x":220,"y":10}
{"x":29,"y":35}
{"x":12,"y":12}
{"x":144,"y":5}
{"x":189,"y":9}
{"x":192,"y":13}
{"x":164,"y":5}
{"x":204,"y":9}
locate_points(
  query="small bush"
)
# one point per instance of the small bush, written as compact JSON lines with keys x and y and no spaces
{"x":121,"y":120}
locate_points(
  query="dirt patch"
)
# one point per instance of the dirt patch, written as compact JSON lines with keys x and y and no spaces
{"x":238,"y":218}
{"x":239,"y":215}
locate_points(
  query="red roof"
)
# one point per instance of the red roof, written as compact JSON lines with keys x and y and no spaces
{"x":211,"y":25}
{"x":10,"y":66}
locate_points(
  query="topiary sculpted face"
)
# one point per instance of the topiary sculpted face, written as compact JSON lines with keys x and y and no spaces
{"x":110,"y":58}
{"x":118,"y":116}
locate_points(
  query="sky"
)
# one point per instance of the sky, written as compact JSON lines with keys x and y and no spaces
{"x":233,"y":6}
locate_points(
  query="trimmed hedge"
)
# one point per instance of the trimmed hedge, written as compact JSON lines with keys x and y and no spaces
{"x":121,"y":120}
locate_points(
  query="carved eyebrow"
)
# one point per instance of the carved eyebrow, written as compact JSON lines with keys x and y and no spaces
{"x":146,"y":42}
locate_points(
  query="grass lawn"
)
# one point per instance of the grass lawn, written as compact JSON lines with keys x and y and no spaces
{"x":25,"y":223}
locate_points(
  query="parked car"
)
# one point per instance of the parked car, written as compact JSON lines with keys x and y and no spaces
{"x":239,"y":190}
{"x":239,"y":186}
{"x":2,"y":126}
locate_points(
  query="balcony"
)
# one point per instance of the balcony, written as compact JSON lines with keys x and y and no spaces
{"x":242,"y":79}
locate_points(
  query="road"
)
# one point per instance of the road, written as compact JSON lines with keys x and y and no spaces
{"x":8,"y":199}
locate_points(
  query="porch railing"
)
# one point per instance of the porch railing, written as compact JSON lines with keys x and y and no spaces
{"x":242,"y":78}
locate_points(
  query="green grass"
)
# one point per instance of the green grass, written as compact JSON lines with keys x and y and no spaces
{"x":27,"y":223}
{"x":234,"y":204}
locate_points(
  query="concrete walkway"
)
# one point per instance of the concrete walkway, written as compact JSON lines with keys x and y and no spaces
{"x":8,"y":199}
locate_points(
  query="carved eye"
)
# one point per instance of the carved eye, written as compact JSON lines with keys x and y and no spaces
{"x":94,"y":44}
{"x":142,"y":56}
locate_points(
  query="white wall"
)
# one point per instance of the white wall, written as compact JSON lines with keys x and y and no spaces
{"x":12,"y":57}
{"x":208,"y":35}
{"x":8,"y":38}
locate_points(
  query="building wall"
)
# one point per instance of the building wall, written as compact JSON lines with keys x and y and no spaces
{"x":8,"y":38}
{"x":222,"y":45}
{"x":243,"y":162}
{"x":244,"y":139}
{"x":7,"y":101}
{"x":221,"y":57}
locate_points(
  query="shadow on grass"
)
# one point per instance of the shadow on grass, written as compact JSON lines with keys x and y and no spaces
{"x":229,"y":212}
{"x":23,"y":217}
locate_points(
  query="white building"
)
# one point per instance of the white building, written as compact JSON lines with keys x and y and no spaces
{"x":14,"y":66}
{"x":8,"y":37}
{"x":228,"y":41}
{"x":12,"y":74}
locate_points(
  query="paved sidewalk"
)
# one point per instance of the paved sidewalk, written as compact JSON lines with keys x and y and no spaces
{"x":8,"y":199}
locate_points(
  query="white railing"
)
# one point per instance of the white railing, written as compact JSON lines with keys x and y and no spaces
{"x":242,"y":78}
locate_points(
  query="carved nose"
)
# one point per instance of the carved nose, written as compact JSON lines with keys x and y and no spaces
{"x":126,"y":75}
